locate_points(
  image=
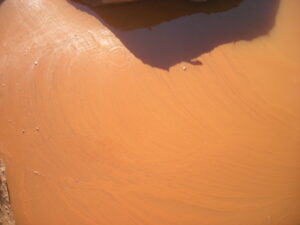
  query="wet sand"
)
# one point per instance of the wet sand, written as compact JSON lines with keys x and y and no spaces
{"x":92,"y":134}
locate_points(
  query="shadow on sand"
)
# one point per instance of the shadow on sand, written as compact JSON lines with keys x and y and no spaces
{"x":162,"y":33}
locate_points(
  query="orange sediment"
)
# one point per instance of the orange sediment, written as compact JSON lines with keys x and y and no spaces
{"x":91,"y":133}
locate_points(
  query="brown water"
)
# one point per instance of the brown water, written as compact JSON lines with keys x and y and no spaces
{"x":149,"y":13}
{"x":93,"y":135}
{"x":163,"y":33}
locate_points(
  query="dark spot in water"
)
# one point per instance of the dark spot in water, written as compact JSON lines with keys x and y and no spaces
{"x":195,"y":62}
{"x":162,"y":33}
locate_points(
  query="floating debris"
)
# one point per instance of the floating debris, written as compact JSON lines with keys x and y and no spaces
{"x":36,"y":172}
{"x":36,"y":62}
{"x":37,"y":128}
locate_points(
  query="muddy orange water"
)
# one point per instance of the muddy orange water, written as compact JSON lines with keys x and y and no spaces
{"x":187,"y":119}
